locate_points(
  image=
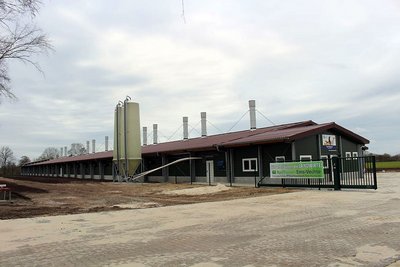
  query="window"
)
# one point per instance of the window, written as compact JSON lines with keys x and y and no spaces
{"x":348,"y":155}
{"x":324,"y":159}
{"x":280,"y":159}
{"x":305,"y":157}
{"x":355,"y":154}
{"x":249,"y":165}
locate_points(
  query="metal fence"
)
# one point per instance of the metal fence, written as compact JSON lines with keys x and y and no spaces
{"x":339,"y":172}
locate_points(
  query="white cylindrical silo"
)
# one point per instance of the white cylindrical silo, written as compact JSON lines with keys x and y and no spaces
{"x":133,"y":154}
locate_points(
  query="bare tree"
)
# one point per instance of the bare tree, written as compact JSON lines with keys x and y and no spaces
{"x":50,"y":153}
{"x":24,"y":160}
{"x":20,"y":39}
{"x":6,"y":156}
{"x":77,"y":149}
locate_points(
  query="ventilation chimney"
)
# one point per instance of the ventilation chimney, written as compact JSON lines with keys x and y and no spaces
{"x":93,"y":146}
{"x":185,"y":128}
{"x":155,"y":134}
{"x":252,"y":107}
{"x":61,"y":152}
{"x":65,"y":151}
{"x":203,"y":116}
{"x":145,"y":136}
{"x":106,"y":143}
{"x":87,"y":147}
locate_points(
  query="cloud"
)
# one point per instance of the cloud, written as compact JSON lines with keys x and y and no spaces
{"x":326,"y":61}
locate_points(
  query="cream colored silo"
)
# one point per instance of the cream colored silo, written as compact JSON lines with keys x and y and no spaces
{"x":127,"y":149}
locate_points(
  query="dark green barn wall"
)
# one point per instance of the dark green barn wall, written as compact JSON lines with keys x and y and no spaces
{"x":348,"y":146}
{"x":179,"y":169}
{"x":269,"y":152}
{"x":218,"y":157}
{"x":152,"y":163}
{"x":243,"y":153}
{"x":308,"y":146}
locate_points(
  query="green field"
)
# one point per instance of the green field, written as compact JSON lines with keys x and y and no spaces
{"x":388,"y":165}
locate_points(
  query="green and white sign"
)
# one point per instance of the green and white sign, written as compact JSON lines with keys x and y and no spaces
{"x":305,"y":169}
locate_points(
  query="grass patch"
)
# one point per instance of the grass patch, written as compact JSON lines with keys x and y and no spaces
{"x":388,"y":165}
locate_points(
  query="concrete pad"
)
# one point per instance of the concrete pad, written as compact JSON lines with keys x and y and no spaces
{"x":307,"y":228}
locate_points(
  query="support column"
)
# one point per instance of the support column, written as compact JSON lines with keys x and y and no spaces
{"x":231,"y":167}
{"x":293,"y":151}
{"x":82,"y":170}
{"x":68,"y":169}
{"x":192,"y":170}
{"x":101,"y":170}
{"x":260,"y":164}
{"x":91,"y":170}
{"x":227,"y":167}
{"x":165,"y":171}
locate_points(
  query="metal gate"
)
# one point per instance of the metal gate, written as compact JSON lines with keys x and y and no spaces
{"x":339,"y":172}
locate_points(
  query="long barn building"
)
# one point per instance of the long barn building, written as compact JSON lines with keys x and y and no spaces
{"x":235,"y":157}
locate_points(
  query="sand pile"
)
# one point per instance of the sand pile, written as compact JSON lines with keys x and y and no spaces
{"x":198,"y":190}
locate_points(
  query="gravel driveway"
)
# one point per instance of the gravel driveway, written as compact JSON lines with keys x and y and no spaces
{"x":306,"y":228}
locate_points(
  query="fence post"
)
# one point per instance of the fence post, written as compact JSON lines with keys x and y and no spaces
{"x":336,"y":174}
{"x":374,"y":171}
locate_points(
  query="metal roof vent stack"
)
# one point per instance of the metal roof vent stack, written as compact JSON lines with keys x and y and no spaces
{"x":145,"y":136}
{"x":185,"y":128}
{"x":65,"y":151}
{"x":155,"y":134}
{"x":93,"y":146}
{"x":252,"y":107}
{"x":87,"y":147}
{"x":61,"y":152}
{"x":106,"y":143}
{"x":203,"y":116}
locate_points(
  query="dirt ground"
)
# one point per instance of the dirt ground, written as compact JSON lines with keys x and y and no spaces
{"x":38,"y":196}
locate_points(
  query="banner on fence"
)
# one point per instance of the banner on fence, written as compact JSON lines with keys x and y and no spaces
{"x":305,"y":169}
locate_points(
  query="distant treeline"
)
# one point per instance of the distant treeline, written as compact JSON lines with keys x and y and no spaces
{"x":386,"y":157}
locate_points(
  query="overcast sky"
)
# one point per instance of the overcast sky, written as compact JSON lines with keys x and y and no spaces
{"x":300,"y":60}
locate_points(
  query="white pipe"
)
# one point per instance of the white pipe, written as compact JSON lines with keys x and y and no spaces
{"x":185,"y":128}
{"x":252,"y":107}
{"x":155,"y":134}
{"x":203,"y":116}
{"x":106,"y":143}
{"x":65,"y":151}
{"x":93,"y":146}
{"x":87,"y":147}
{"x":145,"y":136}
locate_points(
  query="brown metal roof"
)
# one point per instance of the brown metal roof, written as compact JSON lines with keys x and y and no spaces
{"x":212,"y":141}
{"x":273,"y":134}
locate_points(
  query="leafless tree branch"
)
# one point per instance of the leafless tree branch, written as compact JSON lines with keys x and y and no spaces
{"x":19,"y":42}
